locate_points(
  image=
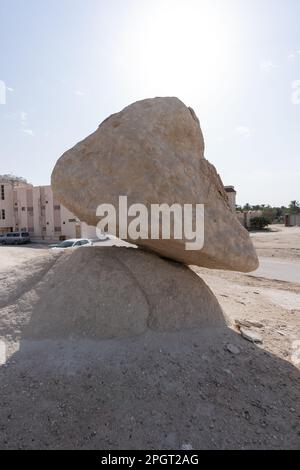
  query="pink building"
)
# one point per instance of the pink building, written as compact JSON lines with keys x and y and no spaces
{"x":34,"y":209}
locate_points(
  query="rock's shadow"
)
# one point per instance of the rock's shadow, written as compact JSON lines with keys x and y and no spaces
{"x":152,"y":390}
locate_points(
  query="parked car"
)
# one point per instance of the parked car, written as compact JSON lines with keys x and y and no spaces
{"x":73,"y":243}
{"x":2,"y":239}
{"x":17,"y":238}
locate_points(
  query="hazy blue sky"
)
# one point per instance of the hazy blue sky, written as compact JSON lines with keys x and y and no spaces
{"x":68,"y":64}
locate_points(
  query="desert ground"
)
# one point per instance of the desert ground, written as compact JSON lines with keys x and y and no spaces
{"x":190,"y":389}
{"x":265,"y":296}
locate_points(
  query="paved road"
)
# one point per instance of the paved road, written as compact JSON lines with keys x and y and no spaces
{"x":281,"y":270}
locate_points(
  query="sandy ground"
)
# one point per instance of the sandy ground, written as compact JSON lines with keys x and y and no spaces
{"x":282,"y":242}
{"x":12,"y":257}
{"x":207,"y":389}
{"x":273,"y":302}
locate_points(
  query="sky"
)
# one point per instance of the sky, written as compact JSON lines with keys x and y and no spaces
{"x":65,"y":65}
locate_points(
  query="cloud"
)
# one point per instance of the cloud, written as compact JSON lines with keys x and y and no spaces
{"x":29,"y":132}
{"x":10,"y":89}
{"x":23,"y":117}
{"x":25,"y":129}
{"x":79,"y":93}
{"x":243,"y":131}
{"x":267,"y":66}
{"x":2,"y":92}
{"x":295,"y":98}
{"x":294,"y":55}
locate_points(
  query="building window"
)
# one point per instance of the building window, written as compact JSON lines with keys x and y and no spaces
{"x":72,"y":220}
{"x":30,"y":209}
{"x":23,"y":209}
{"x":57,"y":208}
{"x":2,"y":192}
{"x":44,"y":229}
{"x":57,"y":229}
{"x":3,"y":214}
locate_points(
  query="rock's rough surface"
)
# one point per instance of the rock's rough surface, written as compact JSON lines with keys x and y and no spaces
{"x":103,"y":293}
{"x":153,"y":152}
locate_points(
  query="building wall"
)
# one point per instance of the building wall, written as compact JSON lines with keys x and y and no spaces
{"x":231,"y":194}
{"x":246,"y":217}
{"x":88,"y":231}
{"x":8,"y":198}
{"x":34,"y":209}
{"x":292,"y":220}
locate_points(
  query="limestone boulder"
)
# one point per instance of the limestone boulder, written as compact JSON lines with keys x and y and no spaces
{"x":153,"y":152}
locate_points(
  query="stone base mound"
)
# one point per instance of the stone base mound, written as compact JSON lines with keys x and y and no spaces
{"x":102,"y":293}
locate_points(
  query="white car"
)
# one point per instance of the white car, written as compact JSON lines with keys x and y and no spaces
{"x":73,"y":243}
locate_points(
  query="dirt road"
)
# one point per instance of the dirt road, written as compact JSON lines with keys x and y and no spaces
{"x":279,"y":269}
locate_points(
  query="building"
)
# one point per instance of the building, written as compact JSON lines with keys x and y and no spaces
{"x":231,"y":194}
{"x":35,"y":210}
{"x":244,"y":217}
{"x":292,"y":220}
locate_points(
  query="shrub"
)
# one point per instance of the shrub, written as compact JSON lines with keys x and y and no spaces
{"x":259,"y":223}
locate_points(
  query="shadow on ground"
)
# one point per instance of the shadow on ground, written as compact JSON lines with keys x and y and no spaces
{"x":156,"y":390}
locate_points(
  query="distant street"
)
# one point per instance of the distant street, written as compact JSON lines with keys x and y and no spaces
{"x":281,"y":270}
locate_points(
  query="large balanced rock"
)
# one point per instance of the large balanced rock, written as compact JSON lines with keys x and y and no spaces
{"x":102,"y":293}
{"x":153,"y":152}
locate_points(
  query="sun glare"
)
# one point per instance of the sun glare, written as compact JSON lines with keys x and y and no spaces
{"x":185,"y":46}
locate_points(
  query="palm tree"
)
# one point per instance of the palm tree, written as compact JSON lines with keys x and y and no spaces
{"x":247,"y":207}
{"x":294,"y":207}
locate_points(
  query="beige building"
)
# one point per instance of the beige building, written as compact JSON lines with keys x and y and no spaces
{"x":292,"y":220}
{"x":244,"y":217}
{"x":34,"y":209}
{"x":231,"y":194}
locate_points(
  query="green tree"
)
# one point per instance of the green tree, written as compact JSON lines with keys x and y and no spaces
{"x":247,"y":207}
{"x":270,"y":213}
{"x":13,"y":178}
{"x":259,"y":223}
{"x":294,"y":207}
